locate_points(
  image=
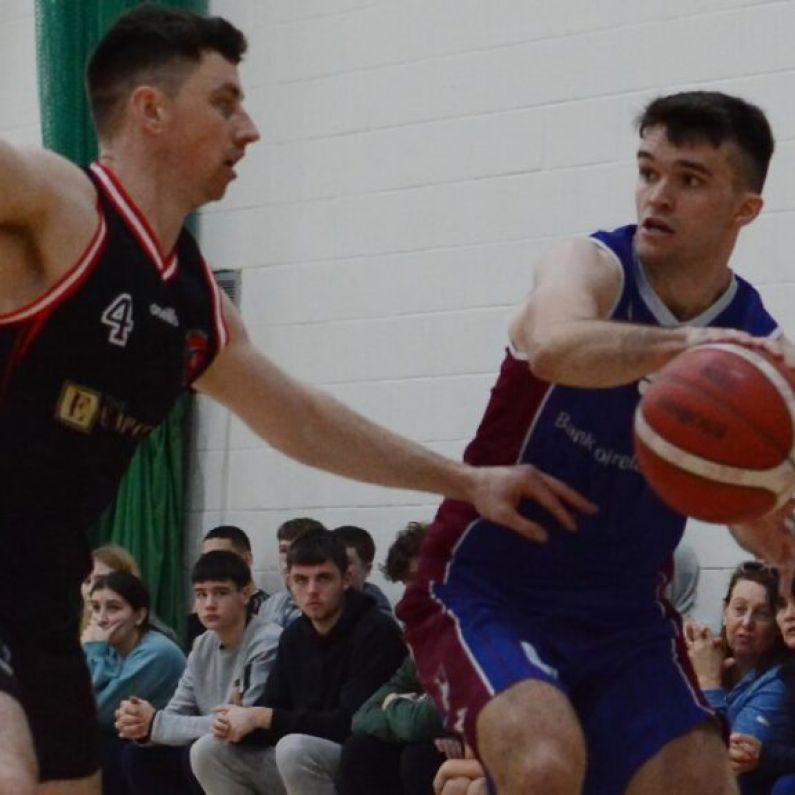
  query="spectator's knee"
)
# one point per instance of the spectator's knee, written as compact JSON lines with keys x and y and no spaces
{"x":290,"y":752}
{"x":201,"y":755}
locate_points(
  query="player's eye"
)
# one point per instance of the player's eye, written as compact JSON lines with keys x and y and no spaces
{"x":646,"y":174}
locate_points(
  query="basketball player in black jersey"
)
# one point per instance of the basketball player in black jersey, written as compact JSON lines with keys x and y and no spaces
{"x":107,"y":312}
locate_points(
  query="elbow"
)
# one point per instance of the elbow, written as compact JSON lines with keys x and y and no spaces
{"x":544,"y":361}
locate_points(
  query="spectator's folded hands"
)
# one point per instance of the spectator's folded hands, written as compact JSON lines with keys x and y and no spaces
{"x":134,"y":718}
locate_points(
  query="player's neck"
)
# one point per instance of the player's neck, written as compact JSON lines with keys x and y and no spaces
{"x":688,"y":289}
{"x":152,"y":191}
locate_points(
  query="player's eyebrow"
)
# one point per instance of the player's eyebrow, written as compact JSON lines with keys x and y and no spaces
{"x":231,"y":89}
{"x":682,"y":162}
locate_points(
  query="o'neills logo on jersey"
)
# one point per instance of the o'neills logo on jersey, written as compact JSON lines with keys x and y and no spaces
{"x":196,"y":349}
{"x":166,"y":314}
{"x":85,"y":409}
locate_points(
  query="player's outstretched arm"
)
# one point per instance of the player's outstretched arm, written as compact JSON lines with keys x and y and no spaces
{"x":314,"y":428}
{"x":562,"y":326}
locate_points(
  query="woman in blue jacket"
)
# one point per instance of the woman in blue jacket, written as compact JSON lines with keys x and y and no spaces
{"x":126,"y":657}
{"x":741,"y":672}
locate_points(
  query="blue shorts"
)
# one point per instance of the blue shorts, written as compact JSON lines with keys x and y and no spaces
{"x":631,"y":686}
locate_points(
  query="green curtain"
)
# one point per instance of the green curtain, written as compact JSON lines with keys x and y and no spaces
{"x":148,"y":514}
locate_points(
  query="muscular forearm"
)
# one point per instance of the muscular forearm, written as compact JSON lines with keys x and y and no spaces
{"x":601,"y":353}
{"x":334,"y":438}
{"x":315,"y":429}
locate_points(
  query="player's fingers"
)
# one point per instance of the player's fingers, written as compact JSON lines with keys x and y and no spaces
{"x":530,"y":530}
{"x":545,"y":495}
{"x":570,"y":495}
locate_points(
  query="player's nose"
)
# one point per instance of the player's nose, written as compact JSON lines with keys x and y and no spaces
{"x":660,"y":194}
{"x":247,"y":132}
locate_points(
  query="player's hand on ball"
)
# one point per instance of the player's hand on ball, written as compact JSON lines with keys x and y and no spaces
{"x":499,"y":490}
{"x":779,"y":348}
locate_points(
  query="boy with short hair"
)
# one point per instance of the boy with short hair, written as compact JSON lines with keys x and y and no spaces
{"x":360,"y":548}
{"x":231,"y":661}
{"x":232,"y":539}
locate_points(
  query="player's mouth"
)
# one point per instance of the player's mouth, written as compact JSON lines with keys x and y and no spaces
{"x":656,"y":227}
{"x":230,"y":164}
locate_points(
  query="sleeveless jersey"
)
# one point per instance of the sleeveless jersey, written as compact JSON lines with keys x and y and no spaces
{"x":584,"y":438}
{"x":86,"y":372}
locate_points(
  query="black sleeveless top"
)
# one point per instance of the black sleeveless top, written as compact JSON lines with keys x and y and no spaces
{"x":86,"y":372}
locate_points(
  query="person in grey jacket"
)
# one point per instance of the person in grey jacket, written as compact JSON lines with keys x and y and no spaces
{"x":229,"y":662}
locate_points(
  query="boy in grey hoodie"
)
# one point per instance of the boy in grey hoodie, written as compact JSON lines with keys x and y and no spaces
{"x":231,"y":660}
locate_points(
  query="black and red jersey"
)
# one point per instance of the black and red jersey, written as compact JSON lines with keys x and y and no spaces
{"x":87,"y":371}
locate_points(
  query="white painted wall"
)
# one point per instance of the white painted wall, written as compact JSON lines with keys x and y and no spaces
{"x":416,"y":158}
{"x":19,"y":120}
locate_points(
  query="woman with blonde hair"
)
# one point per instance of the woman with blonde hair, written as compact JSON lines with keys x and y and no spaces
{"x":740,"y":671}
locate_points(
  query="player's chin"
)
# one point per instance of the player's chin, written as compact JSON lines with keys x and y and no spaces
{"x":217,"y":190}
{"x":653,"y":250}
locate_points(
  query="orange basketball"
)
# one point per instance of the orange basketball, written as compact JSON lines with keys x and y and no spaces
{"x":715,"y":433}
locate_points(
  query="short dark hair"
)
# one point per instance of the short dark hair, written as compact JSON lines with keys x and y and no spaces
{"x":292,"y":528}
{"x":220,"y":565}
{"x":131,"y":588}
{"x":404,"y":549}
{"x":359,"y":539}
{"x":240,"y":541}
{"x":152,"y":44}
{"x":315,"y":547}
{"x":693,"y":116}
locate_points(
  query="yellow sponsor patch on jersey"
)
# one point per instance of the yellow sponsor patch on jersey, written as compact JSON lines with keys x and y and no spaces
{"x":78,"y":407}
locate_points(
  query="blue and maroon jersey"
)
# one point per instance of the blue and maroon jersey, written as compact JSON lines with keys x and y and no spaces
{"x":86,"y":371}
{"x":584,"y":438}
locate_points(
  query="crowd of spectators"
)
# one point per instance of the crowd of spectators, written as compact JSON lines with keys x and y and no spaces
{"x":310,"y":690}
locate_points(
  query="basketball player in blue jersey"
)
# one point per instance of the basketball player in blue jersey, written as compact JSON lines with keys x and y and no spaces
{"x":107,"y":313}
{"x":560,"y":661}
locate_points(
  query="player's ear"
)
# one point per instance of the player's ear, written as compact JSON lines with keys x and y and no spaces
{"x":749,"y":207}
{"x":146,"y":104}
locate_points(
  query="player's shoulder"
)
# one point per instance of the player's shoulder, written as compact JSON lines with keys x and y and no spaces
{"x":41,"y":186}
{"x":587,"y":256}
{"x":53,"y":174}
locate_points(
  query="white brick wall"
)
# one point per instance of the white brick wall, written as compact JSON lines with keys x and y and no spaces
{"x":416,"y":158}
{"x":19,"y":121}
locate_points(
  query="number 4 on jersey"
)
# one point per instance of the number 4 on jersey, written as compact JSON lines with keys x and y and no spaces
{"x":119,"y":318}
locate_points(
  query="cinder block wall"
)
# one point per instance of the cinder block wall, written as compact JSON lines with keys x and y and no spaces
{"x":19,"y":121}
{"x":415,"y":159}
